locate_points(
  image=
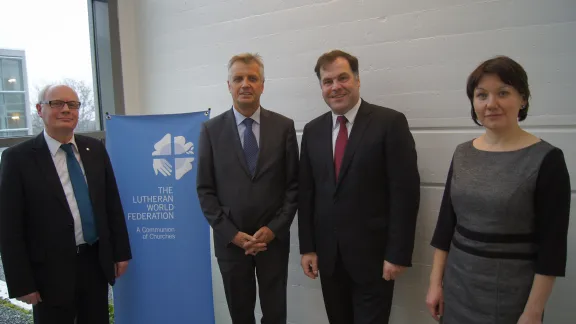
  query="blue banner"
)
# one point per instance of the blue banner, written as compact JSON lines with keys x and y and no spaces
{"x":169,"y":278}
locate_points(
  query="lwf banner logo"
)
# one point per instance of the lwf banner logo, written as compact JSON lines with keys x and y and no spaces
{"x":169,"y":236}
{"x":173,"y":154}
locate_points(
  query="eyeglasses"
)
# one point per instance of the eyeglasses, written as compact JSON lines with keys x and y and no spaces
{"x":59,"y":104}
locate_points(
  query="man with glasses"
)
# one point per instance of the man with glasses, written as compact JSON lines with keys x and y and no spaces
{"x":63,"y":236}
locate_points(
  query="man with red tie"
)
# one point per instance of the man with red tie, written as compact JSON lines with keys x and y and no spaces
{"x":359,"y":192}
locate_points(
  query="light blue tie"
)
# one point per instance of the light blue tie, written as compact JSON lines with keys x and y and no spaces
{"x":250,"y":146}
{"x":82,"y":195}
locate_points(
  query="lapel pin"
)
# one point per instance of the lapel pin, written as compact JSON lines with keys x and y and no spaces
{"x":87,"y":149}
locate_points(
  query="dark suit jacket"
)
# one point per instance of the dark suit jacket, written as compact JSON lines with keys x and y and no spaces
{"x":230,"y":198}
{"x":37,"y":239}
{"x":369,"y":215}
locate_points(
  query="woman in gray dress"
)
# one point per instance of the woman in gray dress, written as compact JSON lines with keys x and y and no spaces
{"x":502,"y":231}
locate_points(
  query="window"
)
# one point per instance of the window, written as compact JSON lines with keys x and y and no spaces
{"x":62,"y":42}
{"x":13,"y":113}
{"x":45,"y":50}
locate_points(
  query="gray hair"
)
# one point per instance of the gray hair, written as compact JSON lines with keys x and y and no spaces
{"x":247,"y":58}
{"x":42,"y":93}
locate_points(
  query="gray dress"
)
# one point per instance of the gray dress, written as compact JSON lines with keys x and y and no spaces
{"x":502,"y":220}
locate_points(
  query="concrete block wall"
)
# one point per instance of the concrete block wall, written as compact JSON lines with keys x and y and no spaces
{"x":415,"y":56}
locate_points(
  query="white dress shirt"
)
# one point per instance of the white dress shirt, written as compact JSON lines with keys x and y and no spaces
{"x":241,"y":127}
{"x":350,"y":116}
{"x":59,"y":158}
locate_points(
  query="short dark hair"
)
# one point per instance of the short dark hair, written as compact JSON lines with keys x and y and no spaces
{"x":509,"y":71}
{"x":331,"y":56}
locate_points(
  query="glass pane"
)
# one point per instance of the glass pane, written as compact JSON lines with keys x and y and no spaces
{"x":2,"y":114}
{"x":14,"y":98}
{"x":30,"y":60}
{"x":16,"y":120}
{"x":12,"y":79}
{"x":13,"y":115}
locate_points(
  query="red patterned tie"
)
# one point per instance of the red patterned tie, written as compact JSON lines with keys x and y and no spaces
{"x":341,"y":141}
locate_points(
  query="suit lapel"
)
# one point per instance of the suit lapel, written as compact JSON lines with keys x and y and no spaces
{"x":46,"y":165}
{"x":231,"y":135}
{"x":265,"y":140}
{"x":361,"y":122}
{"x":89,"y":164}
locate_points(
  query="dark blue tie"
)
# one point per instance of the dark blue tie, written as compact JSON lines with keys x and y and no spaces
{"x":82,"y":195}
{"x":250,"y":146}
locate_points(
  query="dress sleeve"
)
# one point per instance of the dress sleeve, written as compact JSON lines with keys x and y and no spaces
{"x":552,"y":205}
{"x":446,"y":219}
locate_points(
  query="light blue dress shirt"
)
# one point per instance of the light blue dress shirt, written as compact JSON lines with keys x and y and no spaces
{"x":241,"y":127}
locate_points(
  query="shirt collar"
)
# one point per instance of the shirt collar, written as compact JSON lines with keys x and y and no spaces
{"x":350,"y":115}
{"x":54,"y":145}
{"x":240,"y":118}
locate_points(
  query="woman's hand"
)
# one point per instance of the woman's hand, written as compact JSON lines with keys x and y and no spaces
{"x":435,"y":301}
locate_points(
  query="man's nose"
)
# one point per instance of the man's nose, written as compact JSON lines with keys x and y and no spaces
{"x":336,"y":85}
{"x":65,"y":108}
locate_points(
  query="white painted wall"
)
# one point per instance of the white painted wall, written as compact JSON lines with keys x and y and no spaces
{"x":415,"y":56}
